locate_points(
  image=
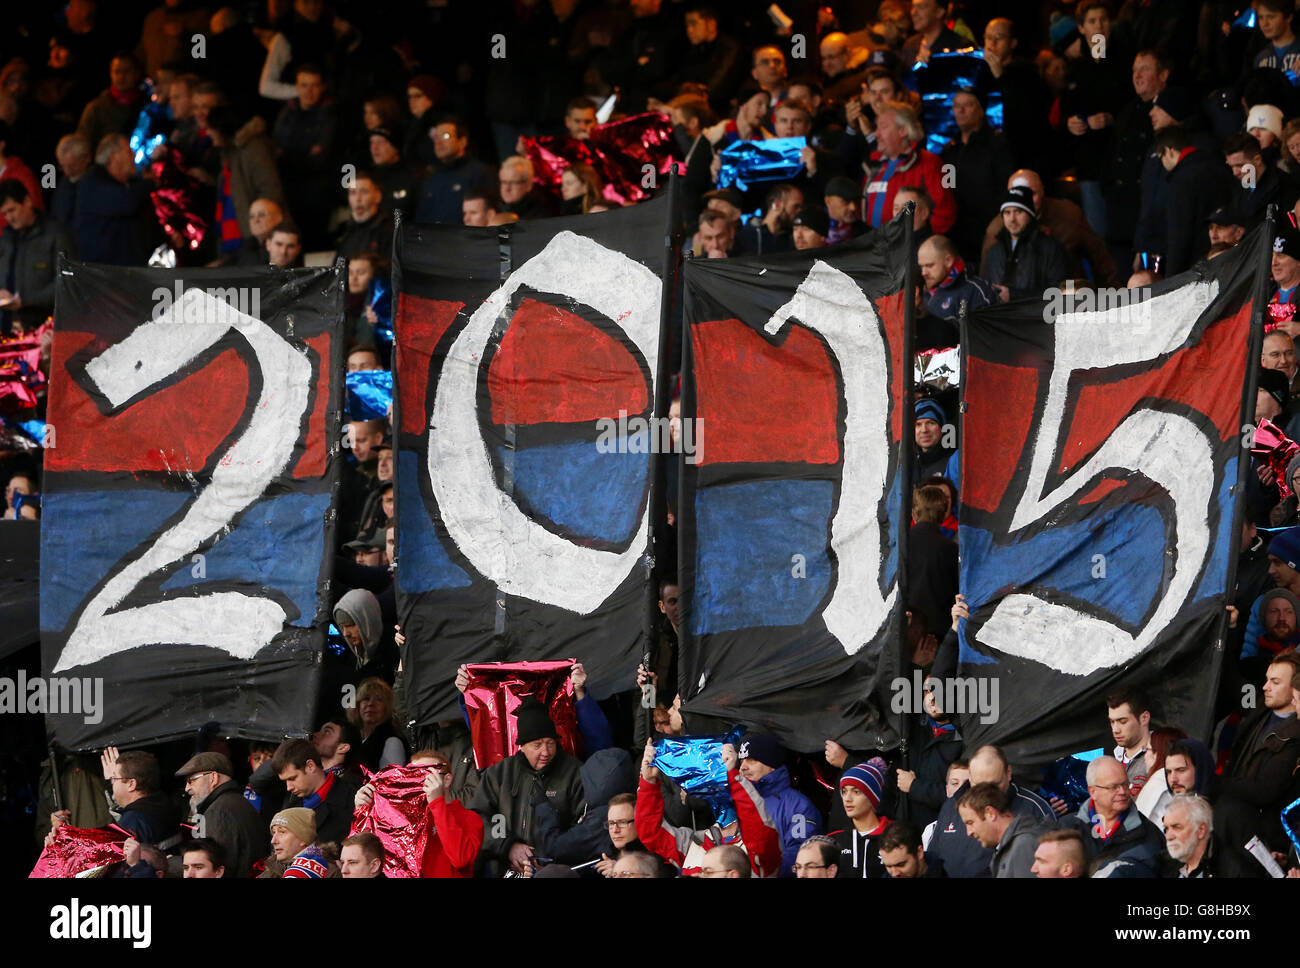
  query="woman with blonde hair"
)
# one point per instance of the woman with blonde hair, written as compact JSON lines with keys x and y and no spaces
{"x":374,"y":714}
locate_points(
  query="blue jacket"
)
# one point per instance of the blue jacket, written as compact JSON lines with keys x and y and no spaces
{"x":945,"y":300}
{"x":444,"y":189}
{"x":111,"y":223}
{"x":793,"y":813}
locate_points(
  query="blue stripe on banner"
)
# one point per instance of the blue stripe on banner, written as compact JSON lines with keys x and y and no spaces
{"x":88,"y":532}
{"x":587,"y":493}
{"x":254,"y":551}
{"x":747,"y":537}
{"x":891,"y":560}
{"x":1130,"y":537}
{"x":422,"y":562}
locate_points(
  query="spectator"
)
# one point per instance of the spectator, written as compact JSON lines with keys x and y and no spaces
{"x":370,"y":228}
{"x":608,"y":826}
{"x":1120,"y":841}
{"x":304,"y":135}
{"x":264,"y":216}
{"x":580,"y":188}
{"x":844,"y":206}
{"x":295,"y":848}
{"x":74,"y":158}
{"x":793,"y":813}
{"x":810,"y":228}
{"x":1133,"y":134}
{"x":1257,"y":182}
{"x":328,"y":800}
{"x":205,"y":858}
{"x":769,"y":71}
{"x":247,"y":172}
{"x":224,"y":815}
{"x":728,"y":860}
{"x":506,"y":788}
{"x":112,"y":221}
{"x":397,"y":180}
{"x":1129,"y":712}
{"x":1225,"y":225}
{"x":861,"y":787}
{"x":1285,"y":269}
{"x":986,"y":811}
{"x":455,"y":173}
{"x":382,"y":744}
{"x":981,"y":162}
{"x":518,"y":195}
{"x":1273,"y":17}
{"x":13,"y":168}
{"x":1060,"y":853}
{"x":946,"y":281}
{"x":818,"y":856}
{"x":478,"y":209}
{"x":423,"y":94}
{"x":716,"y":237}
{"x":713,"y":59}
{"x":362,"y":856}
{"x":284,"y":248}
{"x":1024,"y":262}
{"x":772,"y":233}
{"x":30,"y":245}
{"x":308,"y":37}
{"x":135,"y":788}
{"x":1192,"y":846}
{"x":115,"y":110}
{"x":931,"y":36}
{"x":900,"y":160}
{"x":902,"y":855}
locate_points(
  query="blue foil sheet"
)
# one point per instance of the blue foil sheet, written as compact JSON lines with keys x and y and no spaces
{"x":937,"y":82}
{"x":151,"y":129}
{"x":380,"y":299}
{"x":1067,"y":779}
{"x":746,"y":163}
{"x":1291,"y":823}
{"x":370,"y":394}
{"x":695,"y":764}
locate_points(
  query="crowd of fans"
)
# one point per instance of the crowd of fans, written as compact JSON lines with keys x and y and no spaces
{"x":1132,"y":140}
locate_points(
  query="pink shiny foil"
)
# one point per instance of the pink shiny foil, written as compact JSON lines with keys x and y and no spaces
{"x":76,"y":850}
{"x":618,"y":151}
{"x":174,"y":201}
{"x":495,"y":691}
{"x":1276,"y":450}
{"x":21,"y":378}
{"x":398,"y":816}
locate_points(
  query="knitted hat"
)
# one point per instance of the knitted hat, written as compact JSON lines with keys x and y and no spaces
{"x":1274,"y":383}
{"x":1265,"y":116}
{"x":532,"y":722}
{"x":1175,"y":102}
{"x":930,"y":410}
{"x":1063,"y":32}
{"x":299,"y":821}
{"x":815,"y":218}
{"x":869,"y":777}
{"x":1291,"y":469}
{"x":764,"y":748}
{"x":841,"y":187}
{"x":1286,"y":546}
{"x":1021,"y":197}
{"x":1278,"y":593}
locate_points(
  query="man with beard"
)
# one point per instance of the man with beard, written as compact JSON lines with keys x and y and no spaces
{"x":1193,"y":849}
{"x":221,"y":812}
{"x":772,"y":233}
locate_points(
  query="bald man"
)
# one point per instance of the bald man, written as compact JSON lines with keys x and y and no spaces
{"x":964,"y":856}
{"x":1119,"y":840}
{"x":1065,"y":222}
{"x":947,"y":282}
{"x":842,"y":67}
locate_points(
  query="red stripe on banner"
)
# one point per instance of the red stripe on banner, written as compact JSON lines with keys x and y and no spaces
{"x":998,"y":416}
{"x":420,"y":324}
{"x":760,"y":402}
{"x":553,"y":366}
{"x":312,"y":462}
{"x":1207,"y":377}
{"x":147,"y":436}
{"x":891,"y":310}
{"x":1103,"y":488}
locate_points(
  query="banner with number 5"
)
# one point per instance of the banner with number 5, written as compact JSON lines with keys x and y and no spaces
{"x":1100,"y":482}
{"x":186,"y":520}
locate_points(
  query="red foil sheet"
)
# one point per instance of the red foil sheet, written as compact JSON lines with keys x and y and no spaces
{"x":174,"y":201}
{"x":1276,"y":450}
{"x":398,"y":816}
{"x":77,"y":852}
{"x":495,"y":691}
{"x":619,"y":152}
{"x":21,"y":379}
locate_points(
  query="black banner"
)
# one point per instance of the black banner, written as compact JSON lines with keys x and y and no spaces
{"x":792,"y":515}
{"x":186,"y":526}
{"x":1102,"y":454}
{"x":528,"y":359}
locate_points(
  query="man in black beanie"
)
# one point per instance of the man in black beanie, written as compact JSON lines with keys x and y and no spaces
{"x":509,"y":790}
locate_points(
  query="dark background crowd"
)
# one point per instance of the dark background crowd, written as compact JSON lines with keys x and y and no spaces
{"x":1102,"y":144}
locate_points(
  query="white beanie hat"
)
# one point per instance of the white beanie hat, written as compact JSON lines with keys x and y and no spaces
{"x":1267,"y":117}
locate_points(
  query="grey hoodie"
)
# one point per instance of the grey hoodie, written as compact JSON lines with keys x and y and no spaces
{"x":1014,"y":854}
{"x":360,"y":608}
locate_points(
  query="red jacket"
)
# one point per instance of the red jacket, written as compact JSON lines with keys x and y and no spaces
{"x":455,"y":835}
{"x":916,"y":166}
{"x":680,"y":846}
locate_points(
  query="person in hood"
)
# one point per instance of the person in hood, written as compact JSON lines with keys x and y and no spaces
{"x":1262,"y":640}
{"x":605,"y":829}
{"x":795,"y":816}
{"x":538,"y":771}
{"x":860,"y":789}
{"x":986,"y":811}
{"x":1188,"y":766}
{"x":360,"y":621}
